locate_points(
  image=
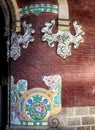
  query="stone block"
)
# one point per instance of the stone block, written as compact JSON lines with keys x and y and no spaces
{"x":93,"y":128}
{"x":75,"y":121}
{"x":63,"y":111}
{"x":63,"y":122}
{"x":65,"y":128}
{"x":70,"y":111}
{"x":92,"y":110}
{"x":81,"y":111}
{"x":88,"y":120}
{"x":83,"y":128}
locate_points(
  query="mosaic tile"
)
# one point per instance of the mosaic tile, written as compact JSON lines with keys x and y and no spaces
{"x":33,"y":107}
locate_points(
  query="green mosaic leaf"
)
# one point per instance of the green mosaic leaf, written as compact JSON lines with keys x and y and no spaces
{"x":13,"y":97}
{"x":48,"y":107}
{"x":38,"y":8}
{"x":56,"y":100}
{"x":32,"y":110}
{"x":28,"y":107}
{"x":37,"y":98}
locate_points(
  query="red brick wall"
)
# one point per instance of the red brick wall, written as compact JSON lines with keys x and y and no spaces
{"x":77,"y":71}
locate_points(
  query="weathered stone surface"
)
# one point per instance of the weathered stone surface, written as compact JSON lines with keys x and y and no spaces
{"x":59,"y":128}
{"x":70,"y":111}
{"x":88,"y":120}
{"x":93,"y":128}
{"x":74,"y":121}
{"x":63,"y":111}
{"x":61,"y":119}
{"x":65,"y":128}
{"x":81,"y":111}
{"x":23,"y":128}
{"x":83,"y":128}
{"x":92,"y":110}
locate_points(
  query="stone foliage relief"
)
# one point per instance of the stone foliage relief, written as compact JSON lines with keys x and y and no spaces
{"x":64,"y":38}
{"x":18,"y":40}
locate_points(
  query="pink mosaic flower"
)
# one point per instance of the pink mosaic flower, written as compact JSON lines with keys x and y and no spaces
{"x":18,"y":113}
{"x":48,"y":80}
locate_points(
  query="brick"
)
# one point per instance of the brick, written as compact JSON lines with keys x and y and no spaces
{"x":83,"y":128}
{"x":92,"y":110}
{"x":76,"y":71}
{"x":81,"y":111}
{"x":88,"y":120}
{"x":74,"y":121}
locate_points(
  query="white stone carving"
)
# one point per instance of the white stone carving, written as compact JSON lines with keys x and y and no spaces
{"x":18,"y":40}
{"x":64,"y":38}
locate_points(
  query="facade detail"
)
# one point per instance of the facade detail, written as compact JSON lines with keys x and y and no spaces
{"x":38,"y":8}
{"x":64,"y":38}
{"x":18,"y":40}
{"x":33,"y":107}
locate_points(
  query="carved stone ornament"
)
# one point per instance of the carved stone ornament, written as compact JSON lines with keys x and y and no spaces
{"x":18,"y":40}
{"x":64,"y":38}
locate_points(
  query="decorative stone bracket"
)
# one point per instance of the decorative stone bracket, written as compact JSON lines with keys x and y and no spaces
{"x":18,"y":40}
{"x":63,"y":37}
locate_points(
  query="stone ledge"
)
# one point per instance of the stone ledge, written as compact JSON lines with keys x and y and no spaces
{"x":59,"y":128}
{"x":22,"y":128}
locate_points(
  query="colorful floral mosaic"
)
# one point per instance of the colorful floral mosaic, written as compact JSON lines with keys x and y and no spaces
{"x":33,"y":107}
{"x":38,"y":8}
